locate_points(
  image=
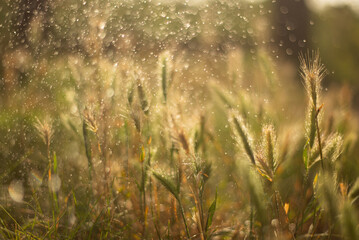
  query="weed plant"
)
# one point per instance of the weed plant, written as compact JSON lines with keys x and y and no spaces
{"x":148,"y":165}
{"x":172,"y":141}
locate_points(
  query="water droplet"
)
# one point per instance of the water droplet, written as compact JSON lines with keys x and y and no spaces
{"x":289,"y":51}
{"x":72,"y":219}
{"x":292,"y":38}
{"x":283,"y":9}
{"x":16,"y":190}
{"x":110,"y":92}
{"x":102,"y":25}
{"x":55,"y":183}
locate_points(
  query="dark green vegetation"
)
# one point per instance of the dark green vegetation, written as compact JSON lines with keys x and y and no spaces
{"x":141,"y":120}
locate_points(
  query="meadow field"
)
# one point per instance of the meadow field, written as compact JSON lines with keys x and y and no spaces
{"x":146,"y":119}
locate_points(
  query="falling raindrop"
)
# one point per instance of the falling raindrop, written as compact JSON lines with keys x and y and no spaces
{"x":284,"y":10}
{"x":289,"y":51}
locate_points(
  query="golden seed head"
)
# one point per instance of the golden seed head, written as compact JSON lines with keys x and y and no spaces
{"x":45,"y":130}
{"x":90,"y":121}
{"x":269,"y":145}
{"x":242,"y":134}
{"x":312,"y":71}
{"x":183,"y":140}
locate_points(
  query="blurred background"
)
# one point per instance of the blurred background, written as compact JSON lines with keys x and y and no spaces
{"x":46,"y":46}
{"x":40,"y":31}
{"x":39,"y":39}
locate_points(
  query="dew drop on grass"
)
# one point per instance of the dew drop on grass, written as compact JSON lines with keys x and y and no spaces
{"x":110,"y":92}
{"x":72,"y":219}
{"x":284,"y":10}
{"x":55,"y":183}
{"x":16,"y":190}
{"x":289,"y":51}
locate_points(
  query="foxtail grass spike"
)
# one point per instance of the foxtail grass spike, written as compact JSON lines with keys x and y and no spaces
{"x":142,"y":97}
{"x":164,"y":79}
{"x":165,"y":70}
{"x":87,"y":148}
{"x":269,"y":141}
{"x":244,"y":136}
{"x":130,"y":93}
{"x":312,"y":72}
{"x":45,"y":131}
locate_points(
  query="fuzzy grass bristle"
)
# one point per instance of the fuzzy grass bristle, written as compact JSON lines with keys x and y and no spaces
{"x":90,"y":120}
{"x":44,"y":130}
{"x":243,"y":135}
{"x":165,"y":68}
{"x":269,"y":140}
{"x":312,"y":72}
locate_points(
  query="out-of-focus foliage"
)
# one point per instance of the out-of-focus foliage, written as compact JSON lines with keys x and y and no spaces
{"x":168,"y":120}
{"x":336,"y":34}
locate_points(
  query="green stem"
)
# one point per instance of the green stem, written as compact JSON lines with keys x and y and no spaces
{"x":251,"y":224}
{"x":184,"y":218}
{"x":318,"y":134}
{"x":88,"y":150}
{"x":319,"y":141}
{"x":143,"y":190}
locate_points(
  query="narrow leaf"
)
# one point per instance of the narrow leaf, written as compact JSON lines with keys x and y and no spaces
{"x":142,"y":155}
{"x":305,"y":156}
{"x":211,"y":211}
{"x":55,"y":163}
{"x":168,"y":184}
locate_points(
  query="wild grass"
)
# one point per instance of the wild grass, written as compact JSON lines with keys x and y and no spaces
{"x":138,"y":159}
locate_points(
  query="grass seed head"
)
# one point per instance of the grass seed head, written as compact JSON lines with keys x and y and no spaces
{"x":242,"y":133}
{"x":90,"y":120}
{"x":136,"y":117}
{"x":165,"y":67}
{"x":312,"y":72}
{"x":183,"y":140}
{"x":44,"y":130}
{"x":310,"y":125}
{"x":142,"y":97}
{"x":269,"y":146}
{"x":202,"y":168}
{"x":334,"y":147}
{"x":130,"y":93}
